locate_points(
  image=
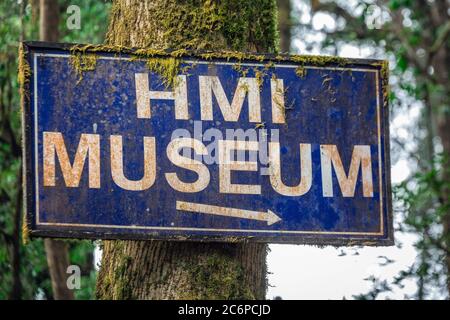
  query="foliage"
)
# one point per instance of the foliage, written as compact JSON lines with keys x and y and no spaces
{"x":414,"y":36}
{"x":421,"y":203}
{"x":29,"y":278}
{"x":424,"y":210}
{"x":33,"y":274}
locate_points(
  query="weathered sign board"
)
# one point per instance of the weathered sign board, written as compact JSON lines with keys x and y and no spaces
{"x":141,"y":144}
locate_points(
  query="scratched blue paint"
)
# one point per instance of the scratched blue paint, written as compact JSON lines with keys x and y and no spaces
{"x":343,"y":111}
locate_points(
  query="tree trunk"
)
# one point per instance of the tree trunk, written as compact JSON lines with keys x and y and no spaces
{"x":16,"y":261}
{"x":187,"y":270}
{"x":56,"y":250}
{"x":58,"y":260}
{"x":440,"y":61}
{"x":284,"y":24}
{"x":443,"y":129}
{"x":444,"y":133}
{"x":16,"y":291}
{"x":48,"y":20}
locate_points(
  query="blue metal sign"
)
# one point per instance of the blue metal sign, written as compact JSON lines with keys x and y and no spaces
{"x":137,"y":144}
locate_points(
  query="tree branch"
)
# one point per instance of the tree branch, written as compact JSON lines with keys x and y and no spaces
{"x":397,"y":28}
{"x":442,"y":37}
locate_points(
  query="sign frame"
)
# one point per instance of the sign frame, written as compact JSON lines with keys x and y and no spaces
{"x":385,"y":238}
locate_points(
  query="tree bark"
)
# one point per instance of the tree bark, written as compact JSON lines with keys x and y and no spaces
{"x":440,"y":61}
{"x":56,"y":250}
{"x":48,"y":20}
{"x":16,"y":291}
{"x":58,"y":260}
{"x":444,"y":133}
{"x":443,"y":129}
{"x":284,"y":24}
{"x":16,"y":261}
{"x":187,"y":270}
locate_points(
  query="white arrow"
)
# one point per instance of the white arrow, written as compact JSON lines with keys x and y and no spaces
{"x":269,"y":216}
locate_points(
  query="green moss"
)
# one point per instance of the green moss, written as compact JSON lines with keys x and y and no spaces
{"x":384,"y":71}
{"x":24,"y":69}
{"x":25,"y":232}
{"x":122,"y":289}
{"x":232,"y":55}
{"x":318,"y":60}
{"x":167,"y":67}
{"x":216,"y":277}
{"x":259,"y":76}
{"x":163,"y":62}
{"x":168,"y":63}
{"x":115,"y":285}
{"x":301,"y":71}
{"x":261,"y":73}
{"x":23,"y":77}
{"x":314,"y":60}
{"x":93,"y":48}
{"x":191,"y":24}
{"x":241,"y":70}
{"x":149,"y":53}
{"x":82,"y":61}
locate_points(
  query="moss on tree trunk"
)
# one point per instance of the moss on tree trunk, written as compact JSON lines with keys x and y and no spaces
{"x":187,"y":270}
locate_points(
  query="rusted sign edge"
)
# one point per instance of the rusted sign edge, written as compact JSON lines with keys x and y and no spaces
{"x":300,"y":240}
{"x":232,"y":56}
{"x":25,"y":74}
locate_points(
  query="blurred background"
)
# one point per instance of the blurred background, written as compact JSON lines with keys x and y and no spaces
{"x":413,"y":35}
